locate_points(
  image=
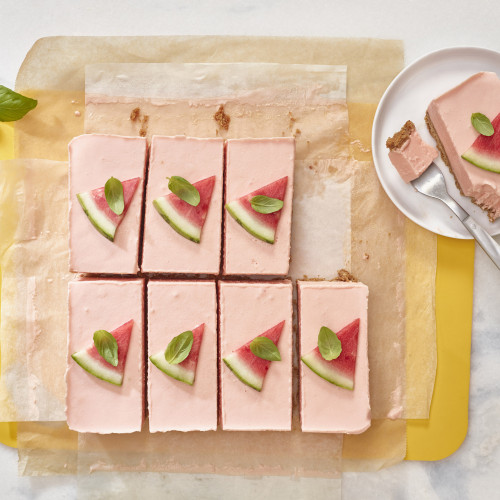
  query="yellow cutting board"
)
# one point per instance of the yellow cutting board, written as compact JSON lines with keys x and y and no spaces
{"x":8,"y":431}
{"x":446,"y":428}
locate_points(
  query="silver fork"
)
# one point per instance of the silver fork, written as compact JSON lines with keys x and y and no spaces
{"x":432,"y":183}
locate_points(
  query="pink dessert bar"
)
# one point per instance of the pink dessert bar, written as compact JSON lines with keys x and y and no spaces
{"x":246,"y":311}
{"x":173,"y":308}
{"x":324,"y":406}
{"x":94,"y":159}
{"x":253,"y":164}
{"x":166,"y":250}
{"x":92,"y":404}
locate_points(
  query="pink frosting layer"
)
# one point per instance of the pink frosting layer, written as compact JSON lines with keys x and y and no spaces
{"x":247,"y":310}
{"x":93,"y":159}
{"x":324,"y":407}
{"x":93,"y":405}
{"x":195,"y":160}
{"x":252,"y":164}
{"x":173,"y":308}
{"x":413,"y":157}
{"x":451,"y":116}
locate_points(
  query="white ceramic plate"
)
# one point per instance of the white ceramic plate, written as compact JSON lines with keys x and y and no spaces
{"x":407,"y":98}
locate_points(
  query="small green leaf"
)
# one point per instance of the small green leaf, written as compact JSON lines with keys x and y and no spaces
{"x":14,"y":106}
{"x":184,"y":190}
{"x":113,"y":191}
{"x":329,"y":344}
{"x":179,"y":348}
{"x":265,"y":205}
{"x":482,"y":124}
{"x":106,"y":346}
{"x":265,"y":348}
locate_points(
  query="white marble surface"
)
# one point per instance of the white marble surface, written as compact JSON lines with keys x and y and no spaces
{"x":424,"y":25}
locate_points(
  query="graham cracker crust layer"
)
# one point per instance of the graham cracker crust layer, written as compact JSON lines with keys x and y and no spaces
{"x":444,"y":157}
{"x":399,"y":138}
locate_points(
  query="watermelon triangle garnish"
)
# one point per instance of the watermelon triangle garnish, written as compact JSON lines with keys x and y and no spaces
{"x":90,"y":360}
{"x":248,"y":367}
{"x":185,"y":219}
{"x":184,"y":371}
{"x":485,"y":151}
{"x":262,"y":226}
{"x":96,"y":207}
{"x":338,"y":371}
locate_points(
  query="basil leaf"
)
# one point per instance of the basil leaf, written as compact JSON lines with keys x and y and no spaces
{"x":106,"y":346}
{"x":329,"y":344}
{"x":184,"y":190}
{"x":113,"y":191}
{"x":14,"y":106}
{"x":179,"y":348}
{"x":265,"y":348}
{"x":265,"y":205}
{"x":482,"y":124}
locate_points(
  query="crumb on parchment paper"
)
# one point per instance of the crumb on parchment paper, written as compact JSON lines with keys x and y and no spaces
{"x":134,"y":114}
{"x":221,"y":118}
{"x":344,"y":275}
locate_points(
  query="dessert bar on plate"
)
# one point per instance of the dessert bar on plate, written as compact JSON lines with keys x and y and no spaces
{"x":97,"y":399}
{"x":449,"y":121}
{"x":182,"y":396}
{"x":256,"y":394}
{"x":101,"y":241}
{"x":334,"y":395}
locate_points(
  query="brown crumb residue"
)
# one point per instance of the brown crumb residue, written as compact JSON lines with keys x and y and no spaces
{"x":344,"y":275}
{"x":144,"y":126}
{"x":399,"y":138}
{"x":221,"y":118}
{"x":292,"y":120}
{"x":134,"y":114}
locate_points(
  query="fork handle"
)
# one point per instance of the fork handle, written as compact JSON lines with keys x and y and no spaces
{"x":486,"y":242}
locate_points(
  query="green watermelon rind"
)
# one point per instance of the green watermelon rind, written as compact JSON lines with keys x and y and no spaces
{"x":97,"y":369}
{"x":178,"y":223}
{"x":249,"y":223}
{"x":240,"y":369}
{"x":99,"y":220}
{"x":324,"y":370}
{"x":484,"y":161}
{"x":177,"y":372}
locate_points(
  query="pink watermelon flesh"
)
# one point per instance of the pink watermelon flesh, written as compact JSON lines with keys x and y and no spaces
{"x":96,"y":207}
{"x":187,"y":220}
{"x":248,"y":367}
{"x":485,"y":151}
{"x":184,"y":371}
{"x":90,"y":360}
{"x":338,"y":371}
{"x":262,"y":226}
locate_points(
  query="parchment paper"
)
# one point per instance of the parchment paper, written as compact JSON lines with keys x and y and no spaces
{"x":371,"y":66}
{"x":269,"y":100}
{"x":33,"y":195}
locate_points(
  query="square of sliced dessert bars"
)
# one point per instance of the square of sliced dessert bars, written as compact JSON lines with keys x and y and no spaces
{"x":179,"y":237}
{"x":101,"y":241}
{"x":182,"y":396}
{"x":334,"y":394}
{"x":258,"y":243}
{"x":449,"y":121}
{"x":95,"y":401}
{"x":256,"y":394}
